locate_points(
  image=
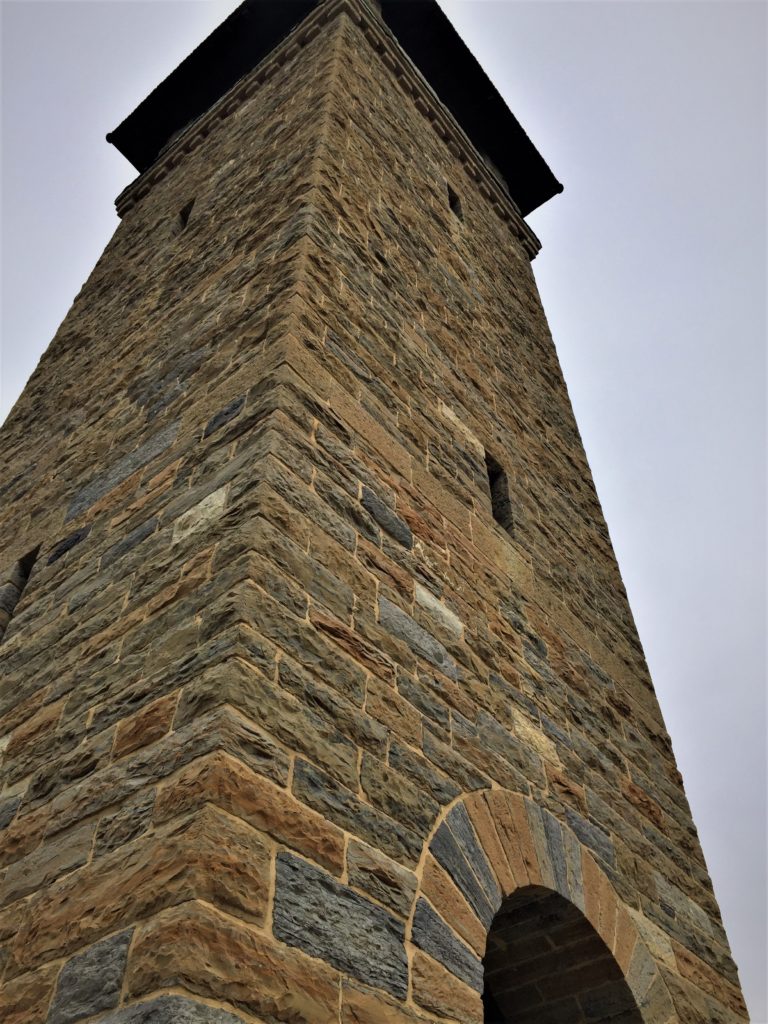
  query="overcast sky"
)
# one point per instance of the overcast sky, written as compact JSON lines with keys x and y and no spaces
{"x":653,"y":271}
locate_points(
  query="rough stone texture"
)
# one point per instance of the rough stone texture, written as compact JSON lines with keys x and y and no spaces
{"x":270,"y":615}
{"x":434,"y":936}
{"x":91,"y":982}
{"x":171,"y":1010}
{"x":329,"y":921}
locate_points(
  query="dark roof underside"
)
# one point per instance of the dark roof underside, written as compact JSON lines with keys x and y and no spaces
{"x":425,"y":33}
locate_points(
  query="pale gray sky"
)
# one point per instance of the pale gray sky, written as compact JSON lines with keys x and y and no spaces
{"x":653,"y":272}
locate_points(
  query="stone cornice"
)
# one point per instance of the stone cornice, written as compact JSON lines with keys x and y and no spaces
{"x":413,"y":84}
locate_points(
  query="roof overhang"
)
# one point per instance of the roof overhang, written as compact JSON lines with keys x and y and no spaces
{"x":256,"y":27}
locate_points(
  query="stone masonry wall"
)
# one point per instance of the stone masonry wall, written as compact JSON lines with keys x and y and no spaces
{"x":273,"y":638}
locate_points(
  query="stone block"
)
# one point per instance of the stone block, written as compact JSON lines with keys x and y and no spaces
{"x":422,"y":643}
{"x":227,"y":783}
{"x":201,"y":516}
{"x":341,"y":806}
{"x":448,"y":854}
{"x":91,"y":981}
{"x":386,"y":518}
{"x":332,"y":923}
{"x":146,"y":726}
{"x":438,"y":887}
{"x":380,"y":877}
{"x":440,"y":992}
{"x":55,"y":858}
{"x":210,"y":856}
{"x":122,"y":469}
{"x":171,"y":1010}
{"x":218,"y":958}
{"x":430,"y":933}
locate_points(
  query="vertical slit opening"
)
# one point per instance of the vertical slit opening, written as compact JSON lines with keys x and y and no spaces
{"x":498,"y":485}
{"x":455,"y":204}
{"x":13,"y":587}
{"x":183,"y":218}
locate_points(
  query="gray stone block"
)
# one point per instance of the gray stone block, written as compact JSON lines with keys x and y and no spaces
{"x":8,"y":809}
{"x":91,"y":981}
{"x":447,"y":852}
{"x":556,"y":847}
{"x":592,"y":836}
{"x":171,"y":1010}
{"x":328,"y":920}
{"x":461,"y":827}
{"x":422,"y":643}
{"x":121,"y":470}
{"x":432,"y":934}
{"x":68,"y":543}
{"x":223,"y":416}
{"x":129,"y":542}
{"x":386,"y":518}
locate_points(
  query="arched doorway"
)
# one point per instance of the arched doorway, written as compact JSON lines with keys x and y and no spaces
{"x":546,"y":964}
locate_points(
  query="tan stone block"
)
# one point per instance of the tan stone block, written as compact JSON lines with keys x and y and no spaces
{"x":205,"y":952}
{"x":201,"y":516}
{"x":25,"y":1000}
{"x":388,"y":707}
{"x":441,"y":992}
{"x":443,"y":894}
{"x":210,"y":856}
{"x":23,"y":834}
{"x":354,"y":645}
{"x":13,"y":718}
{"x":479,"y":811}
{"x":565,"y":788}
{"x":708,"y":980}
{"x":146,"y":726}
{"x":35,"y":733}
{"x":222,"y":780}
{"x":643,"y":802}
{"x":624,"y":939}
{"x":592,"y":879}
{"x":508,"y":812}
{"x":361,"y":1005}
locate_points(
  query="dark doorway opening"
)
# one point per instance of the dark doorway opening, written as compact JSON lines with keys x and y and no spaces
{"x":546,"y":964}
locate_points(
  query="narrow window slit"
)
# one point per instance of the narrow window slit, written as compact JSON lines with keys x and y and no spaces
{"x":183,"y":218}
{"x":12,"y":587}
{"x":455,"y":204}
{"x":498,"y":484}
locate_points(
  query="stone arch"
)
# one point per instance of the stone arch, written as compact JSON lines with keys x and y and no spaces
{"x":493,"y":846}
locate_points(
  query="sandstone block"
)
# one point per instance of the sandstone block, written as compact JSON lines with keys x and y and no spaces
{"x":210,"y":856}
{"x":380,"y":877}
{"x":215,"y":957}
{"x":48,"y":862}
{"x":201,"y":516}
{"x":227,"y":783}
{"x":146,"y":726}
{"x":25,"y":1000}
{"x":440,"y":992}
{"x":124,"y":824}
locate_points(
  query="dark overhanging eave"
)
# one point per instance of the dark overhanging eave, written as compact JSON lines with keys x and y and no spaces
{"x":256,"y":27}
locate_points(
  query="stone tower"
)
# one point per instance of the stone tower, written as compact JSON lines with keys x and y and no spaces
{"x":321,"y":698}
